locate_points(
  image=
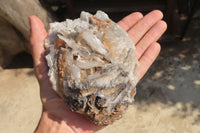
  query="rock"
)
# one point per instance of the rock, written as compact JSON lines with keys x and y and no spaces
{"x":93,"y":66}
{"x":9,"y":38}
{"x":14,"y":26}
{"x":10,"y":42}
{"x":17,"y":13}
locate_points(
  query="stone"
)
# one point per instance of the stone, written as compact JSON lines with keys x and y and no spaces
{"x":92,"y":66}
{"x":10,"y":42}
{"x":9,"y":38}
{"x":14,"y":26}
{"x":17,"y":13}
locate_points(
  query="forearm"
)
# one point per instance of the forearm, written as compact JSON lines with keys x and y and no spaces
{"x":49,"y":125}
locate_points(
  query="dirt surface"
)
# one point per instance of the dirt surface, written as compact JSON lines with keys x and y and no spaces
{"x":20,"y":106}
{"x":167,"y":99}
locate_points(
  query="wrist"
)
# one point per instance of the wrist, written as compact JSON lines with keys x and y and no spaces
{"x":50,"y":124}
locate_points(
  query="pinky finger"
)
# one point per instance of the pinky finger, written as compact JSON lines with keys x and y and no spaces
{"x":148,"y":58}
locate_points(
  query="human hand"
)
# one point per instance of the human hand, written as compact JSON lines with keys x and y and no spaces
{"x":56,"y":116}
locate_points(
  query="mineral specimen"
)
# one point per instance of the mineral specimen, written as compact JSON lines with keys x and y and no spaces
{"x":92,"y":66}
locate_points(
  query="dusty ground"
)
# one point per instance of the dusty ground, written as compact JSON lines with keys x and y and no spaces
{"x":20,"y":105}
{"x":167,"y":100}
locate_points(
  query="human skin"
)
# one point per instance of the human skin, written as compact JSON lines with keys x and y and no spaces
{"x":56,"y":116}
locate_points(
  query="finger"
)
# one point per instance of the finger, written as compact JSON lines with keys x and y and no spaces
{"x":151,"y":36}
{"x":139,"y":29}
{"x":148,"y":58}
{"x":130,"y":20}
{"x":38,"y":34}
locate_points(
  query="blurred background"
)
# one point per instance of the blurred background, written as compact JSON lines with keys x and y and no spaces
{"x":168,"y":97}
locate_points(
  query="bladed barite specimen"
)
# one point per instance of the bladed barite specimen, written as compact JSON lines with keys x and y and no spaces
{"x":92,"y":66}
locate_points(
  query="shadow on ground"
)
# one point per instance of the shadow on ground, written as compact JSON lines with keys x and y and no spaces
{"x":174,"y":78}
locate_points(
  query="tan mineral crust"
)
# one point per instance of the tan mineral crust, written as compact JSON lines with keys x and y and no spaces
{"x":92,"y":66}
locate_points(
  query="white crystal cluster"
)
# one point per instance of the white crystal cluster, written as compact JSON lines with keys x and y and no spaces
{"x":92,"y":66}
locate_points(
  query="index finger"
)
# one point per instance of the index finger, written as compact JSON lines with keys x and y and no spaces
{"x":139,"y":30}
{"x":130,"y":20}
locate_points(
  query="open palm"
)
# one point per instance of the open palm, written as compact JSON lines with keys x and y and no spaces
{"x":56,"y":116}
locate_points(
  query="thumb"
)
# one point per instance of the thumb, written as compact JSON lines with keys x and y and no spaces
{"x":37,"y":37}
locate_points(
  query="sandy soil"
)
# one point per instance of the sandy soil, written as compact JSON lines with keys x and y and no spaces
{"x":20,"y":106}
